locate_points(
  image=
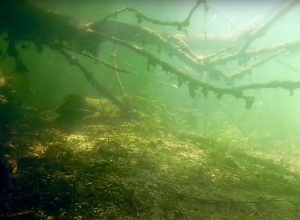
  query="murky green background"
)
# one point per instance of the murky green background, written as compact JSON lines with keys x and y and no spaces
{"x":275,"y":114}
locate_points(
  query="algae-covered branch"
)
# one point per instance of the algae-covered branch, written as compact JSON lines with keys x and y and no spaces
{"x":22,"y":21}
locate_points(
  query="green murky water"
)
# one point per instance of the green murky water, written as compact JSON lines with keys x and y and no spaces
{"x":167,"y":110}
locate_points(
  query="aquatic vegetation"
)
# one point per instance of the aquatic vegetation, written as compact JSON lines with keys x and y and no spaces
{"x":131,"y":154}
{"x":141,"y":169}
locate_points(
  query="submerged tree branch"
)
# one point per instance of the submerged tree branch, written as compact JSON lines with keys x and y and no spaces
{"x":140,"y":17}
{"x":44,"y":28}
{"x":90,"y":78}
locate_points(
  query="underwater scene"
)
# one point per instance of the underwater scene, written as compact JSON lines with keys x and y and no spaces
{"x":131,"y":109}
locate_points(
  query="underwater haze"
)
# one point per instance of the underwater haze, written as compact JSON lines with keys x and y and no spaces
{"x":166,"y":109}
{"x":274,"y":113}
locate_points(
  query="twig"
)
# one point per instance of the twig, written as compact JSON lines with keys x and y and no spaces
{"x":264,"y":28}
{"x":90,"y":78}
{"x":291,"y":46}
{"x":248,"y":70}
{"x":140,"y":16}
{"x":249,"y":174}
{"x":117,"y":73}
{"x":193,"y":82}
{"x":22,"y":134}
{"x":17,"y":215}
{"x":96,"y":60}
{"x":217,"y":201}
